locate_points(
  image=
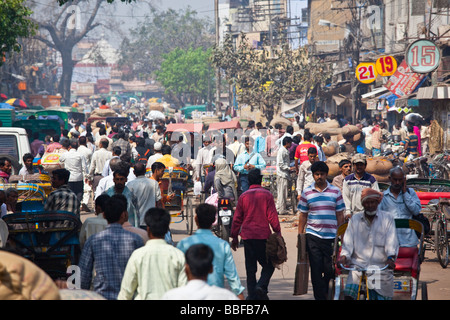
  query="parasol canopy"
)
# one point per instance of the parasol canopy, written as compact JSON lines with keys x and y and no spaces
{"x":16,"y":103}
{"x":3,"y":96}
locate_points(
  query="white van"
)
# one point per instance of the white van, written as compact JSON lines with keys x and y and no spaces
{"x":13,"y":145}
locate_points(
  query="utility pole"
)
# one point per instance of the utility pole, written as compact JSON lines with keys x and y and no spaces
{"x":216,"y":13}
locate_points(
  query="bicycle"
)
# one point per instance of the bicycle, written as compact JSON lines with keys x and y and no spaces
{"x":363,"y":287}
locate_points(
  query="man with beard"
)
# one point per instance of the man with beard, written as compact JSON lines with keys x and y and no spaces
{"x":370,"y":242}
{"x":402,"y":203}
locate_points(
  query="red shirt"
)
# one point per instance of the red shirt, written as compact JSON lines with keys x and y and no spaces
{"x":302,"y":151}
{"x":255,"y":214}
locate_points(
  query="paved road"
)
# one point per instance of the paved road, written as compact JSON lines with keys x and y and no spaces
{"x":282,"y":282}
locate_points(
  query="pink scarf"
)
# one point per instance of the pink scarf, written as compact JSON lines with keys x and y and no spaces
{"x":4,"y":175}
{"x":417,"y":133}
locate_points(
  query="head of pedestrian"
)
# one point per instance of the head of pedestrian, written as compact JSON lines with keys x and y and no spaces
{"x":248,"y":142}
{"x":312,"y":154}
{"x":345,"y":166}
{"x":116,"y":210}
{"x":139,"y":169}
{"x":60,"y":177}
{"x":397,"y":178}
{"x":205,"y":215}
{"x":199,"y":261}
{"x":370,"y":199}
{"x":287,"y":142}
{"x":158,"y":170}
{"x":157,"y":221}
{"x":320,"y":170}
{"x":120,"y":177}
{"x":100,"y":203}
{"x":254,"y":177}
{"x":359,"y":163}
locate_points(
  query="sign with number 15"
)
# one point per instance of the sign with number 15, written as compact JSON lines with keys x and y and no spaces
{"x":366,"y":72}
{"x":423,"y":56}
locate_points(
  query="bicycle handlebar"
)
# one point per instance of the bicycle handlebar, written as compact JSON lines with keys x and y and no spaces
{"x":362,"y":269}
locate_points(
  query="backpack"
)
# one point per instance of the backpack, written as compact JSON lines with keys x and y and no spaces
{"x":276,"y":250}
{"x":143,"y":158}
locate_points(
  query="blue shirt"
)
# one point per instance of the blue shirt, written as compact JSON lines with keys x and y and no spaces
{"x":132,"y":205}
{"x":255,"y":159}
{"x":405,"y":206}
{"x":107,"y":252}
{"x":223,"y":262}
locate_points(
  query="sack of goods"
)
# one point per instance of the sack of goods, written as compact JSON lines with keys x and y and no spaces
{"x":379,"y":167}
{"x":50,"y":161}
{"x":102,"y":113}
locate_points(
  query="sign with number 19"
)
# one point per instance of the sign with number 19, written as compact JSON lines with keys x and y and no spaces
{"x":386,"y":66}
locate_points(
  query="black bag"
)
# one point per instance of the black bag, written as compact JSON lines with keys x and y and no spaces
{"x":425,"y":222}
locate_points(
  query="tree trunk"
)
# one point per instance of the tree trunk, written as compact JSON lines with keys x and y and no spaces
{"x":66,"y":77}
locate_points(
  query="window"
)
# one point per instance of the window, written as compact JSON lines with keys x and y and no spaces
{"x":8,"y":145}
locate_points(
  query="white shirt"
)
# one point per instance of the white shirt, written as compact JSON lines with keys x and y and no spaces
{"x":87,"y":153}
{"x":153,"y":159}
{"x":199,"y":290}
{"x":147,"y":192}
{"x":92,"y":226}
{"x":75,"y":162}
{"x":99,"y":158}
{"x":107,"y":182}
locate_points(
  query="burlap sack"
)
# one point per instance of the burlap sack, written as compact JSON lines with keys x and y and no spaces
{"x":379,"y":166}
{"x":381,"y":178}
{"x":316,"y":128}
{"x":50,"y":160}
{"x":102,"y":113}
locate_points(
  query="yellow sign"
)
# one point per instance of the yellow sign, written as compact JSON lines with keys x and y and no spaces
{"x":366,"y":72}
{"x":386,"y":66}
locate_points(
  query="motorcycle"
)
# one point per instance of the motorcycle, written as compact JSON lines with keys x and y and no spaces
{"x":224,"y":218}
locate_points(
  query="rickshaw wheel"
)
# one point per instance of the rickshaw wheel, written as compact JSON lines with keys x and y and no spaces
{"x":331,"y":289}
{"x":189,"y":216}
{"x":441,"y":243}
{"x":424,"y":289}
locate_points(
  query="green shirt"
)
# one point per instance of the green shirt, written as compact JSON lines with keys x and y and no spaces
{"x":152,"y":270}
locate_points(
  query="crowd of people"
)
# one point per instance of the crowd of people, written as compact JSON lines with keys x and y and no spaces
{"x":119,"y":169}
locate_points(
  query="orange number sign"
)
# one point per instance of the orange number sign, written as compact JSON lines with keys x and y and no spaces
{"x":386,"y":66}
{"x":366,"y":72}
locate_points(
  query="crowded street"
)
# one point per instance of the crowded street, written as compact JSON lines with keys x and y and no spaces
{"x":252,"y":151}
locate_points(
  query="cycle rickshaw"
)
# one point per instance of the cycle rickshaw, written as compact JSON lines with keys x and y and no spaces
{"x":175,"y":182}
{"x":406,"y":272}
{"x":49,"y":239}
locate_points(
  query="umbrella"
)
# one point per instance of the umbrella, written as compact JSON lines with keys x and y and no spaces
{"x":6,"y":106}
{"x":16,"y":103}
{"x":154,"y":114}
{"x":3,"y":96}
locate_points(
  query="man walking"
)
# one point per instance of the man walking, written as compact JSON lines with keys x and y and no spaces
{"x":99,"y":158}
{"x":223,"y":262}
{"x":354,"y":183}
{"x":321,"y":212}
{"x":63,"y":198}
{"x":109,"y":265}
{"x":75,"y":162}
{"x":283,"y":174}
{"x":254,"y":217}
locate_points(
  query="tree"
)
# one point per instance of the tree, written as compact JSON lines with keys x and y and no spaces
{"x":265,"y":79}
{"x":160,"y":34}
{"x":15,"y":23}
{"x":186,"y":74}
{"x":64,"y":31}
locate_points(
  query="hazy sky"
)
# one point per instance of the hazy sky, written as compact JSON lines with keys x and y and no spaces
{"x":203,"y":7}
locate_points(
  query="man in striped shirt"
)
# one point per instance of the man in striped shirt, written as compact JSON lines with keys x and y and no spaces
{"x":321,"y":211}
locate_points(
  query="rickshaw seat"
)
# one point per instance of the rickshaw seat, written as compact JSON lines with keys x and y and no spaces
{"x":408,"y":260}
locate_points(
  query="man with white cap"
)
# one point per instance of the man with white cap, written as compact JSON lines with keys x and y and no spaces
{"x":370,"y":242}
{"x":153,"y":158}
{"x":354,"y":183}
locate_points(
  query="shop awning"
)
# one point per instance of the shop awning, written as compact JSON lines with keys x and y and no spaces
{"x":433,"y":93}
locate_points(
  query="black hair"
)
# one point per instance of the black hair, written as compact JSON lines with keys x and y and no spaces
{"x":319,"y":166}
{"x":158,"y":221}
{"x":344,"y":162}
{"x":117,"y":150}
{"x":307,"y":135}
{"x":101,"y":201}
{"x":199,"y":258}
{"x":158,"y":166}
{"x":286,"y":140}
{"x":166,"y":149}
{"x":114,"y":207}
{"x":27,"y":156}
{"x":312,"y":150}
{"x":62,"y":174}
{"x":254,"y":176}
{"x":206,"y":215}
